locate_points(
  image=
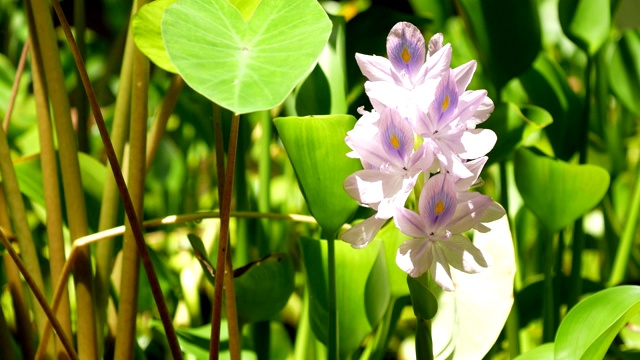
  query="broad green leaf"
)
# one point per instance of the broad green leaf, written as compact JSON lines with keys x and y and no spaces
{"x":145,"y":27}
{"x":244,"y":66}
{"x":332,"y":63}
{"x":586,"y":22}
{"x":362,"y":286}
{"x":246,"y":7}
{"x":392,"y":238}
{"x":506,"y":34}
{"x":589,"y":328}
{"x":514,"y":126}
{"x":542,"y":352}
{"x":317,"y":150}
{"x":263,"y":288}
{"x":556,"y":191}
{"x":470,"y":319}
{"x":546,"y":85}
{"x":425,"y":305}
{"x":624,"y":72}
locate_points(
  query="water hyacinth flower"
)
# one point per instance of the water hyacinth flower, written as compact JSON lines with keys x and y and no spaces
{"x":391,"y":167}
{"x":436,"y":241}
{"x":394,"y":81}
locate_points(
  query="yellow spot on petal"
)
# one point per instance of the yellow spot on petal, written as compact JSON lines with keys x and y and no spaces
{"x":439,"y":207}
{"x":445,"y":103}
{"x":394,"y":141}
{"x":406,"y":56}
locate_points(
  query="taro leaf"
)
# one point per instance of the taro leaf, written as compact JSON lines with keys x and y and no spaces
{"x":244,"y":66}
{"x":624,"y":72}
{"x":145,"y":27}
{"x":263,"y":288}
{"x":542,"y":352}
{"x":361,"y":282}
{"x":546,"y":85}
{"x":246,"y":7}
{"x":317,"y":150}
{"x":589,"y":328}
{"x":506,"y":34}
{"x":558,"y":192}
{"x":586,"y":22}
{"x":471,"y":318}
{"x":201,"y":254}
{"x":514,"y":126}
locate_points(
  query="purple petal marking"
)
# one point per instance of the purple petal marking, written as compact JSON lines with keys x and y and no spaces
{"x":438,"y":202}
{"x":445,"y":103}
{"x":396,"y":137}
{"x":410,"y":223}
{"x":406,"y":48}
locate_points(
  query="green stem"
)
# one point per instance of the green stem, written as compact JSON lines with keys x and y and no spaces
{"x":377,"y":347}
{"x":127,"y":313}
{"x":80,"y":97}
{"x":223,"y":243}
{"x":424,"y":341}
{"x":548,"y":300}
{"x":160,"y":122}
{"x":628,"y":235}
{"x":15,"y":86}
{"x":136,"y":226}
{"x":334,"y":346}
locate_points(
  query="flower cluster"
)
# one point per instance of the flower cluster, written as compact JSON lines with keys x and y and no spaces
{"x":423,"y":125}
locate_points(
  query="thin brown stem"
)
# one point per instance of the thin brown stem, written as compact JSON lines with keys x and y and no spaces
{"x":16,"y":84}
{"x":160,"y":123}
{"x":223,"y":243}
{"x":64,"y":339}
{"x":136,"y":227}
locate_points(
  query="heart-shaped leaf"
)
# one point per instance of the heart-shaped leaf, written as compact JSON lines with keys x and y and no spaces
{"x":470,"y":319}
{"x":558,"y":192}
{"x":586,"y":22}
{"x":244,"y":66}
{"x":317,"y":151}
{"x":145,"y":27}
{"x":361,"y":283}
{"x":589,"y":328}
{"x":624,"y":72}
{"x":506,"y":34}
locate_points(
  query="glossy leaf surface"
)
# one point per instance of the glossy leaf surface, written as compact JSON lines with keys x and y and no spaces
{"x":624,"y":72}
{"x":145,"y":27}
{"x":242,"y":65}
{"x":586,"y":22}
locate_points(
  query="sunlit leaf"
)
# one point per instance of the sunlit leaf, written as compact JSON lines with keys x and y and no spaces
{"x":244,"y":66}
{"x":586,"y":22}
{"x":470,"y":319}
{"x":201,"y":254}
{"x":145,"y":27}
{"x":362,"y":285}
{"x":425,"y":305}
{"x":317,"y":150}
{"x":589,"y":328}
{"x":624,"y":72}
{"x":542,"y":352}
{"x":556,"y":191}
{"x":506,"y":34}
{"x":391,"y":239}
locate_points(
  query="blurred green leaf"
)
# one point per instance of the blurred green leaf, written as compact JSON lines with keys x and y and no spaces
{"x":470,"y":319}
{"x":201,"y":254}
{"x":314,"y":95}
{"x":586,"y":22}
{"x":244,"y":66}
{"x":624,"y":70}
{"x":263,"y":287}
{"x":195,"y":342}
{"x":362,"y":285}
{"x":332,"y":63}
{"x":590,"y":327}
{"x":506,"y":34}
{"x":546,"y":85}
{"x":514,"y":126}
{"x":556,"y":191}
{"x":391,"y":239}
{"x":317,"y":150}
{"x":145,"y":27}
{"x":542,"y":352}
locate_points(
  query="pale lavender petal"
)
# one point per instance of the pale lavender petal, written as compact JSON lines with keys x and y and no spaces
{"x":383,"y":94}
{"x":463,"y":255}
{"x":410,"y":223}
{"x":406,"y":48}
{"x":447,"y":154}
{"x":397,"y":190}
{"x":475,"y":166}
{"x":374,"y":68}
{"x":396,"y":137}
{"x":481,"y":114}
{"x":437,"y":64}
{"x":463,"y":74}
{"x":444,"y":106}
{"x":362,"y":233}
{"x":435,"y":43}
{"x":440,"y":271}
{"x":468,"y":103}
{"x":373,"y":187}
{"x":469,"y":212}
{"x":437,"y":202}
{"x":414,"y":257}
{"x":422,"y":159}
{"x":477,"y":143}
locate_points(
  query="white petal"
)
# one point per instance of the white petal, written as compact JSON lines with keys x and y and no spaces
{"x":410,"y":223}
{"x":463,"y":74}
{"x":372,"y":186}
{"x":414,"y":257}
{"x":362,"y":233}
{"x":469,"y":212}
{"x":374,"y":68}
{"x":440,"y":271}
{"x":384,"y":94}
{"x":462,"y":255}
{"x":477,"y":143}
{"x":482,"y":113}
